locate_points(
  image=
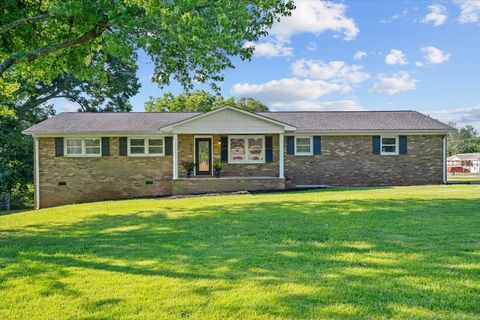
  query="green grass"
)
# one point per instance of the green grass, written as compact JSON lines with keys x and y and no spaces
{"x":467,"y":177}
{"x":373,"y":253}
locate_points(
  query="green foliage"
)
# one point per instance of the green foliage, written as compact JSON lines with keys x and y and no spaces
{"x":217,"y":164}
{"x":464,"y":140}
{"x":188,"y":166}
{"x":200,"y":101}
{"x":189,"y":41}
{"x":363,"y":253}
{"x":16,"y":149}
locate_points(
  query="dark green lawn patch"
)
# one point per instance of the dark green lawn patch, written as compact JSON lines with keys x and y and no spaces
{"x":410,"y":252}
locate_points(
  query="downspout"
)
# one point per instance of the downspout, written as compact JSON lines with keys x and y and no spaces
{"x":444,"y":162}
{"x":37,"y":173}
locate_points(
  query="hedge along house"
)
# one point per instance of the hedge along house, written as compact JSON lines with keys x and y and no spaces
{"x":83,"y":157}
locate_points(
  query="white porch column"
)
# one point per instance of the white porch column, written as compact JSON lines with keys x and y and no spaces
{"x":37,"y":173}
{"x":281,"y":163}
{"x":175,"y":156}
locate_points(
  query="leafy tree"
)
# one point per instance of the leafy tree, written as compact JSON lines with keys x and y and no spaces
{"x":16,"y":156}
{"x":187,"y":40}
{"x":199,"y":101}
{"x":464,"y":140}
{"x":91,"y":95}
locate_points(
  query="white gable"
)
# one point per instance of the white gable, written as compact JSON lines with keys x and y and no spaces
{"x":228,"y":121}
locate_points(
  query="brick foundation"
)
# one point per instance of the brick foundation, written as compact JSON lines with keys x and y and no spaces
{"x":226,"y":184}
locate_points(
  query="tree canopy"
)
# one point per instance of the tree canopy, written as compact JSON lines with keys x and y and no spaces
{"x":188,"y":40}
{"x":464,"y":140}
{"x":200,"y":101}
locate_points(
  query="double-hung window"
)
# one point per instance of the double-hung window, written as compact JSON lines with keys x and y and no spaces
{"x":246,"y":149}
{"x":303,"y":146}
{"x":389,"y":145}
{"x":83,"y":147}
{"x":146,"y":147}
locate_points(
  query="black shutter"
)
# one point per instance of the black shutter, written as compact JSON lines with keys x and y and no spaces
{"x":58,"y":147}
{"x":402,"y":144}
{"x":224,"y":148}
{"x":290,"y":145}
{"x":105,"y":146}
{"x":268,"y":149}
{"x":123,"y":146}
{"x":376,"y":144}
{"x":317,"y":145}
{"x":168,"y":146}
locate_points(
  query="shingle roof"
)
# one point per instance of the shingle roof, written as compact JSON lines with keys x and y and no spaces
{"x":321,"y":121}
{"x":82,"y":122}
{"x":466,"y":156}
{"x":345,"y":121}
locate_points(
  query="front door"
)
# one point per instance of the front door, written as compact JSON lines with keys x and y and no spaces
{"x":203,"y":156}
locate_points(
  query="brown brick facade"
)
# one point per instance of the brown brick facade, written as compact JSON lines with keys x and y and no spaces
{"x":345,"y":160}
{"x":349,"y":161}
{"x":185,"y":153}
{"x":100,"y":178}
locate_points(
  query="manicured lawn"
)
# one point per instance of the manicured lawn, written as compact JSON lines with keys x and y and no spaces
{"x":376,"y":253}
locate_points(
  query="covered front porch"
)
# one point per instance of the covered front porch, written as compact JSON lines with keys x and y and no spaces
{"x":248,"y":148}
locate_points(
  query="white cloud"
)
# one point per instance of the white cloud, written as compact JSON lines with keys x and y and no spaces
{"x":359,"y":55}
{"x":395,"y":57}
{"x":395,"y":83}
{"x":288,"y":90}
{"x":470,"y":11}
{"x":304,"y":105}
{"x":461,"y":116}
{"x":68,"y":107}
{"x":313,"y":17}
{"x":271,"y":49}
{"x":435,"y":55}
{"x":419,"y":64}
{"x":396,"y":16}
{"x":335,"y":71}
{"x":437,"y":15}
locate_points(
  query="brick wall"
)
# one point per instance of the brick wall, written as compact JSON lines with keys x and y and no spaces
{"x":185,"y":153}
{"x":100,"y":178}
{"x":349,"y":161}
{"x":225,"y":184}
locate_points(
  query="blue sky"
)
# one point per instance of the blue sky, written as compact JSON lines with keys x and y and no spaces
{"x":361,"y":55}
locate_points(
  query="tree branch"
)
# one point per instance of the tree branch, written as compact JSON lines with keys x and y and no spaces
{"x":21,"y":21}
{"x":33,"y":55}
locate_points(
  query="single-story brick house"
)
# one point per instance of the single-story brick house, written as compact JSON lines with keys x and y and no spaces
{"x":95,"y":156}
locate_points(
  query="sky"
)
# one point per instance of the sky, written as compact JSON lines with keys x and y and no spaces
{"x":360,"y":55}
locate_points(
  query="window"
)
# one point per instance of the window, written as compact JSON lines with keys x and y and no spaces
{"x":246,"y":149}
{"x":389,"y":145}
{"x":145,"y":147}
{"x":83,"y":147}
{"x":303,"y":146}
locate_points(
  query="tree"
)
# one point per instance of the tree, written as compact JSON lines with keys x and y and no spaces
{"x":90,"y":94}
{"x":190,"y":41}
{"x":199,"y":101}
{"x":463,"y":140}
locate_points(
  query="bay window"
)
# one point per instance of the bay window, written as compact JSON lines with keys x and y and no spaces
{"x":246,"y":149}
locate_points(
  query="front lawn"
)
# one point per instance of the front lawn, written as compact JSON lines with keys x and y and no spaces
{"x":376,"y":253}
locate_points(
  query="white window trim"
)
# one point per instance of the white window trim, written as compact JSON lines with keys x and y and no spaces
{"x":396,"y":153}
{"x":304,"y":153}
{"x":146,"y":147}
{"x":84,"y":149}
{"x":246,"y":160}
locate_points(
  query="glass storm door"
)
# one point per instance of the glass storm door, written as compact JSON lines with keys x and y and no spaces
{"x":203,"y":156}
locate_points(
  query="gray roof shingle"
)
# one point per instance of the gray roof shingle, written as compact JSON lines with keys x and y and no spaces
{"x":344,"y":121}
{"x":83,"y":122}
{"x":321,"y":121}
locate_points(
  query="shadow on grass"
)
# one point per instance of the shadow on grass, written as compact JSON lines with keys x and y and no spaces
{"x":343,"y":258}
